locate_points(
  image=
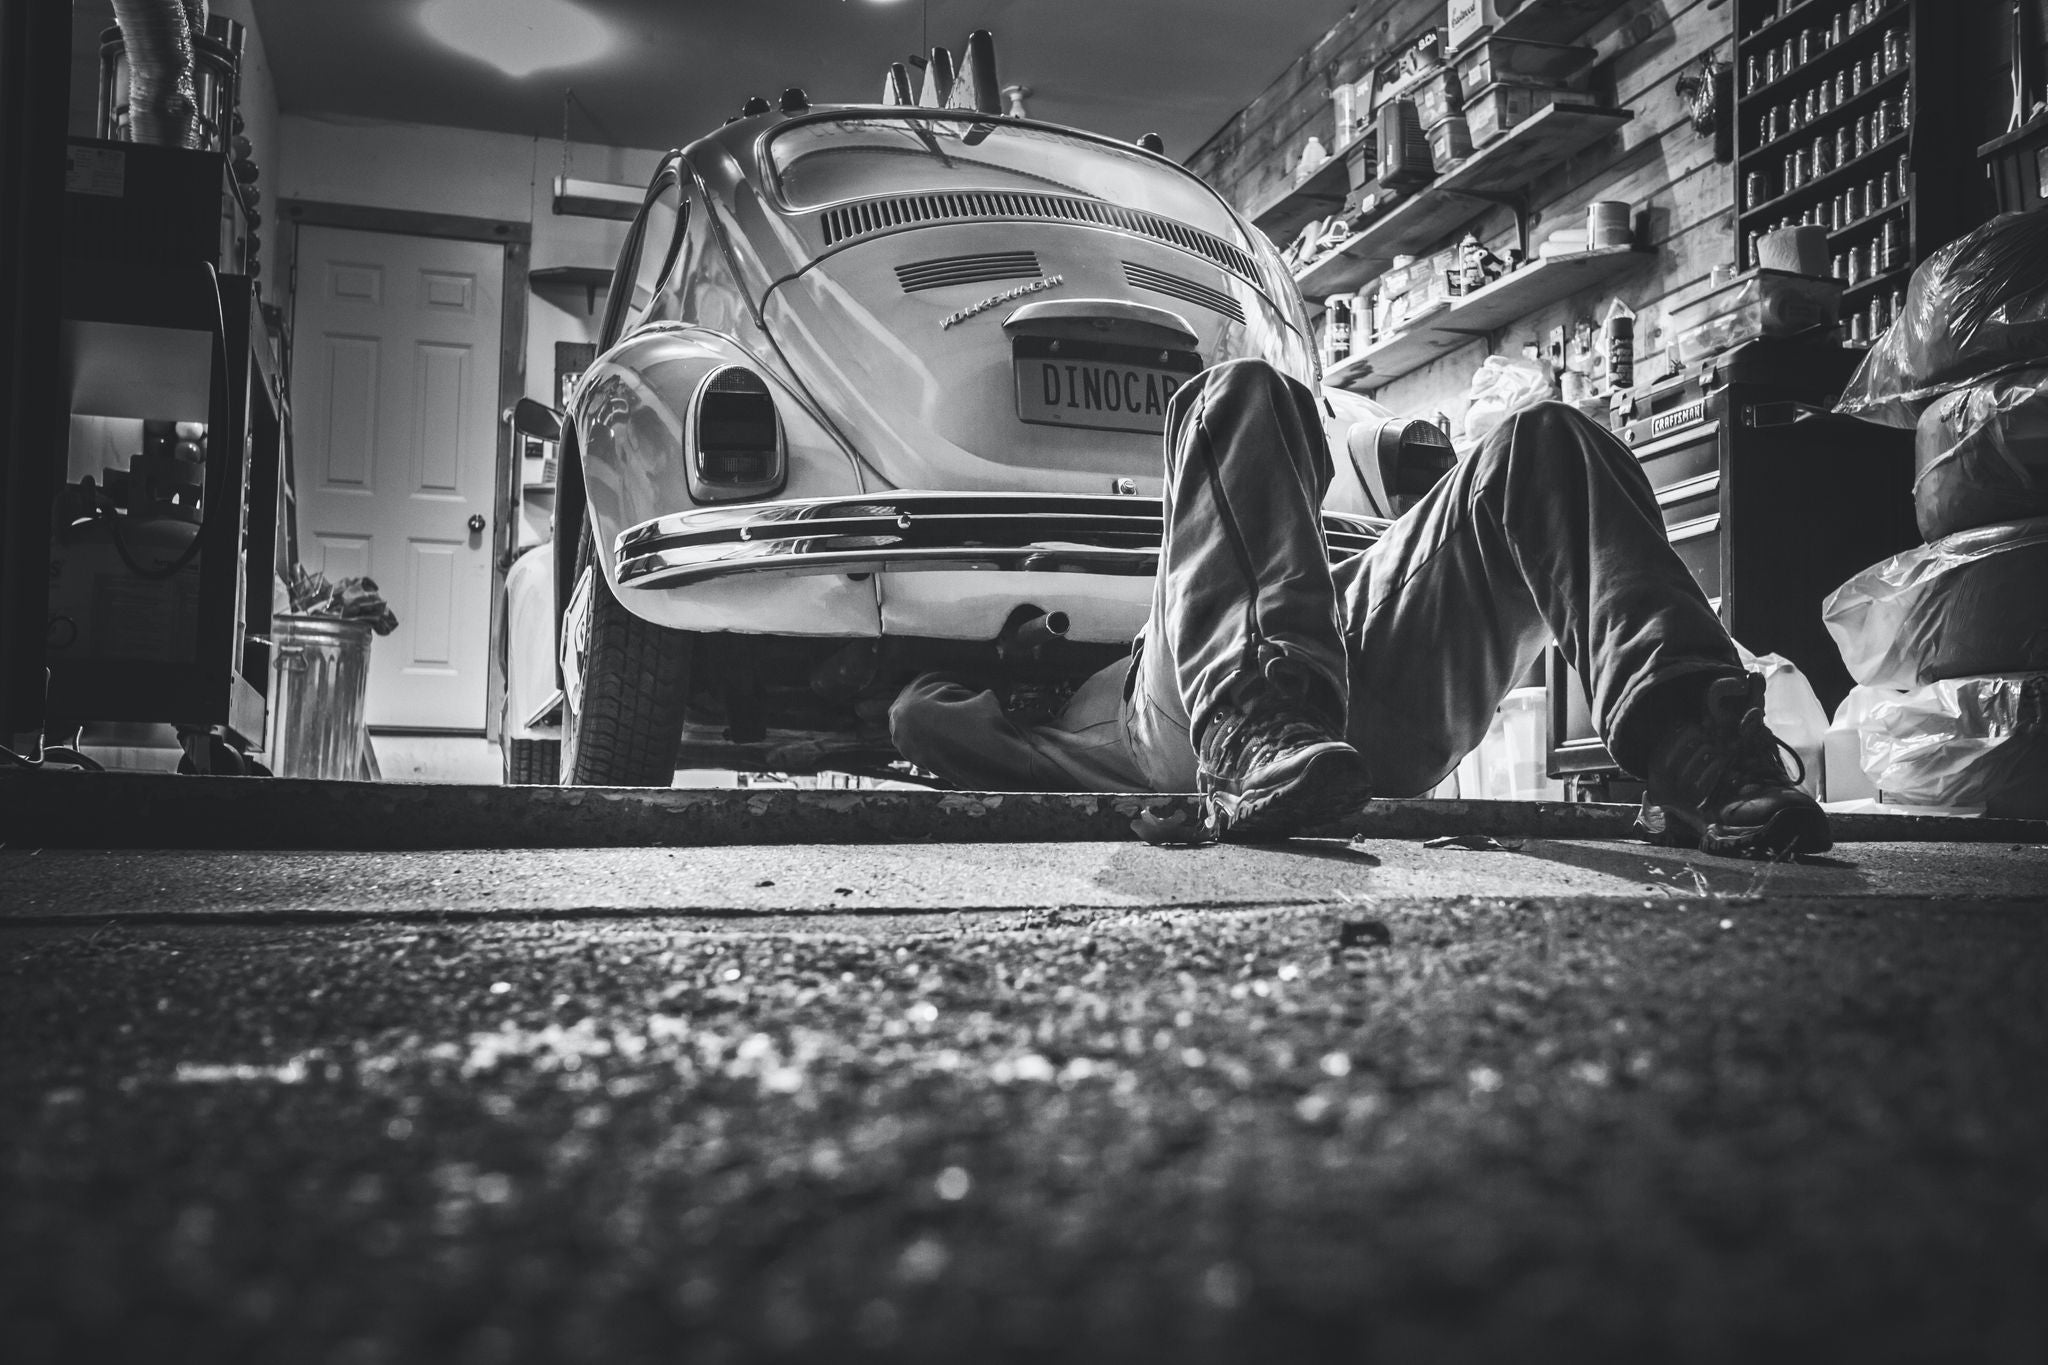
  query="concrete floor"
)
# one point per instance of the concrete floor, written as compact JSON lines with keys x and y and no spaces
{"x":1033,"y":1100}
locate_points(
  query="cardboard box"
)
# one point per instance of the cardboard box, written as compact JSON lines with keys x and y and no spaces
{"x":1465,"y":20}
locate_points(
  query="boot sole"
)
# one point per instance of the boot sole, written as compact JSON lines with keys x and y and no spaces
{"x":1331,"y":783}
{"x":1794,"y":830}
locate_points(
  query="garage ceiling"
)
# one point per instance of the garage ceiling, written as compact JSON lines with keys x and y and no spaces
{"x":674,"y":69}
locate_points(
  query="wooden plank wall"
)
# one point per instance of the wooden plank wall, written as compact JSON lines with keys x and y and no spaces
{"x":1683,"y":199}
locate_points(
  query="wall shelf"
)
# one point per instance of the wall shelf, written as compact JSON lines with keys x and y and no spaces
{"x":589,"y":278}
{"x":1286,"y":213}
{"x":1479,"y":313}
{"x":1496,"y":174}
{"x":1555,"y":21}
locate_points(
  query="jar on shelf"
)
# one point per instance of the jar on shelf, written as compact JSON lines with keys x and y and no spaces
{"x":1845,"y":146}
{"x":1813,"y":109}
{"x":1756,"y":188}
{"x":1838,"y":29}
{"x":1858,"y":333}
{"x":1880,"y":314}
{"x":1905,"y":109}
{"x":1894,"y":50}
{"x":1892,"y":246}
{"x":1855,"y":74}
{"x":1823,"y":153}
{"x":1840,"y":267}
{"x":1807,"y":48}
{"x":1853,"y":201}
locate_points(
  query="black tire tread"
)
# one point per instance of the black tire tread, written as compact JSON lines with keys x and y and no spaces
{"x":532,"y":762}
{"x":636,"y":682}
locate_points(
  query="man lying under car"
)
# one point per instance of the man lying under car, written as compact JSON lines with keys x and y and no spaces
{"x":1288,"y":692}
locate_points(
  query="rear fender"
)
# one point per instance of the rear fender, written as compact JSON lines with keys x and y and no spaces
{"x":631,"y":415}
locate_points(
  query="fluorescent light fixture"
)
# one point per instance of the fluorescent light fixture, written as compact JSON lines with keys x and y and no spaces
{"x":519,"y":37}
{"x":598,"y":199}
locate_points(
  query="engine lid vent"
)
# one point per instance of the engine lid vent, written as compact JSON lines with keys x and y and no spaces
{"x":991,"y":265}
{"x":1159,"y":281}
{"x":913,"y":210}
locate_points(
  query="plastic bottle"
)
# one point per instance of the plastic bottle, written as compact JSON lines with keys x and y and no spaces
{"x":1621,"y":346}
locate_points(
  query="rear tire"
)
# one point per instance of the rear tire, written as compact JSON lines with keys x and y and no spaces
{"x":636,"y":680}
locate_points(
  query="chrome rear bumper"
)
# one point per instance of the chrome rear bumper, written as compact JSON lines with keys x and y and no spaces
{"x":899,"y":532}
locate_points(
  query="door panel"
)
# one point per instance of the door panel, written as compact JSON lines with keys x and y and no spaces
{"x":396,"y":352}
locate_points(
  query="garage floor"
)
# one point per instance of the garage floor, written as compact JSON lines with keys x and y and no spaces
{"x":1056,"y":1098}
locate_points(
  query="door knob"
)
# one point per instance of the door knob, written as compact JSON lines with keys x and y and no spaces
{"x":476,"y":523}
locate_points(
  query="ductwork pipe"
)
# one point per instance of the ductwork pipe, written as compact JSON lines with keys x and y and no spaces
{"x":158,"y":36}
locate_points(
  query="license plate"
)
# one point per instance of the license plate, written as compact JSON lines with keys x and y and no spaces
{"x":1098,"y":387}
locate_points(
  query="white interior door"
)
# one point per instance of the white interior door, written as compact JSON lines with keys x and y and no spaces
{"x":395,"y":354}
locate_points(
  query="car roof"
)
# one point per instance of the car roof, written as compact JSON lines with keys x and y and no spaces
{"x":745,"y":139}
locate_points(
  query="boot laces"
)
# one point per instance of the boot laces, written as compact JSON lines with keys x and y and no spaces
{"x":1269,"y":716}
{"x":1753,"y":751}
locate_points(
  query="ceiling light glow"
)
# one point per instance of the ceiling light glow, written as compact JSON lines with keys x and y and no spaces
{"x":519,"y":37}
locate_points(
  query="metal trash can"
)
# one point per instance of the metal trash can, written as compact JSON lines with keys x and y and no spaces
{"x":320,"y":675}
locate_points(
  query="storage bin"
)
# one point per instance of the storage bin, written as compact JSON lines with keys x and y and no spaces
{"x":1519,"y":62}
{"x":320,"y":677}
{"x":1495,"y":108}
{"x":1449,"y":142}
{"x":1761,"y":303}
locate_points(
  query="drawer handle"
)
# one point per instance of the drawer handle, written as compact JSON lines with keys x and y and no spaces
{"x":1786,"y":413}
{"x":1689,"y":436}
{"x":1689,"y":488}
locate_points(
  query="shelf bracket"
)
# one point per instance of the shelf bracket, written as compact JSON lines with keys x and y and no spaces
{"x":1516,"y":201}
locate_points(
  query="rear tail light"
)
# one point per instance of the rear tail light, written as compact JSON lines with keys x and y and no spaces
{"x":735,"y":438}
{"x":1413,"y":456}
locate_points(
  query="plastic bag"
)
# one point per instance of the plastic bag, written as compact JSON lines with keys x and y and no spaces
{"x":1976,"y":307}
{"x":1971,"y":603}
{"x":1981,"y":455}
{"x":1792,"y":710}
{"x":1500,"y":388}
{"x":1961,"y":742}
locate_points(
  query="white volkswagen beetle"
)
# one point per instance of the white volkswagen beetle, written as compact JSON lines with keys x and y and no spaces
{"x":881,"y":389}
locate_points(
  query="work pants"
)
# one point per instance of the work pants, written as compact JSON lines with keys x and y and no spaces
{"x":1548,"y":531}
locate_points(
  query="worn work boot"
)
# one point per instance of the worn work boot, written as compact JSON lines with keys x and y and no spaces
{"x":1269,"y":766}
{"x":1722,"y":785}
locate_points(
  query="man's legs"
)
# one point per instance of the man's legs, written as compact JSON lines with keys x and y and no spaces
{"x":1243,"y":659}
{"x":1550,"y":530}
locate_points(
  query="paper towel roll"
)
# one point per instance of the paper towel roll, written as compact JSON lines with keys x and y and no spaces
{"x":1801,"y":250}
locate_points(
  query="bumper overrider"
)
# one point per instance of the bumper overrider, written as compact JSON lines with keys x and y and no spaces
{"x":897,"y":532}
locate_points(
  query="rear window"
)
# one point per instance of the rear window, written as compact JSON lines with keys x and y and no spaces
{"x":830,"y":161}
